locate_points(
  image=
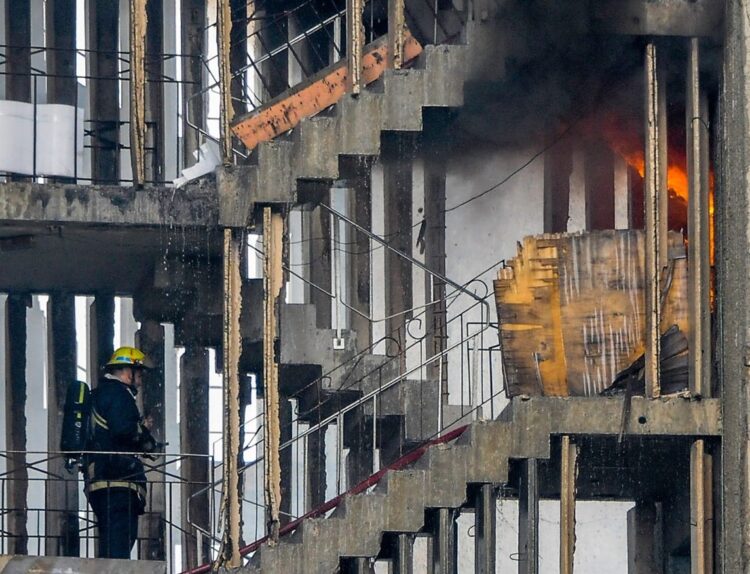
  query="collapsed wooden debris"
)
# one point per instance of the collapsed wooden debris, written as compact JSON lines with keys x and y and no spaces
{"x":571,"y":312}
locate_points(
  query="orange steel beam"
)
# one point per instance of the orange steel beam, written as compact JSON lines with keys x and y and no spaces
{"x":320,"y":91}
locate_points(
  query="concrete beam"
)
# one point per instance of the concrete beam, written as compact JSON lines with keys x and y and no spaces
{"x":194,"y":205}
{"x":61,"y":497}
{"x":673,"y":416}
{"x":659,"y":18}
{"x":17,"y":475}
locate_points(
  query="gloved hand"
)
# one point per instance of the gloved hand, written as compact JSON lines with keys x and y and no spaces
{"x":146,"y":441}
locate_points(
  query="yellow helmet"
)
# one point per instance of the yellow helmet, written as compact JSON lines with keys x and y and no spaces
{"x":128,"y":357}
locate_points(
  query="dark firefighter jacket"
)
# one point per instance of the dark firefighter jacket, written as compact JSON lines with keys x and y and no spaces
{"x":116,"y":429}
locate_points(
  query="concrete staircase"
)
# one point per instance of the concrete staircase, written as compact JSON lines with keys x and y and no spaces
{"x":398,"y":503}
{"x":441,"y":479}
{"x":352,"y":127}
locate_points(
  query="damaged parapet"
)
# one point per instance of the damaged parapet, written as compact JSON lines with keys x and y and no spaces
{"x":572,"y":315}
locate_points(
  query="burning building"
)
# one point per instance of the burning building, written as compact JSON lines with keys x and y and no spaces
{"x":298,"y":209}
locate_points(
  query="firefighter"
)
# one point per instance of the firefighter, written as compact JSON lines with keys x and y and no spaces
{"x":115,"y":482}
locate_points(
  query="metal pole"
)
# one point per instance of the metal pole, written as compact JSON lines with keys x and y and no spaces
{"x":698,"y":239}
{"x":653,"y":189}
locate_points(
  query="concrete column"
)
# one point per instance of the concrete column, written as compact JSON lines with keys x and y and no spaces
{"x":600,"y":187}
{"x":154,"y":63}
{"x":576,"y":220}
{"x":434,"y":245}
{"x":18,"y":55}
{"x":316,"y":469}
{"x":275,"y":70}
{"x":150,"y":340}
{"x":101,"y":334}
{"x":286,"y":416}
{"x":485,"y":514}
{"x":194,"y":373}
{"x":733,"y":296}
{"x":16,"y":481}
{"x":62,"y":493}
{"x":61,"y":56}
{"x":105,"y":109}
{"x":238,"y":54}
{"x":528,"y":518}
{"x":557,"y":171}
{"x":398,"y":222}
{"x":403,"y":560}
{"x":193,"y":19}
{"x":445,"y":547}
{"x":645,"y":555}
{"x":623,"y":196}
{"x":359,"y":297}
{"x":319,"y":257}
{"x":300,"y":61}
{"x":359,"y":461}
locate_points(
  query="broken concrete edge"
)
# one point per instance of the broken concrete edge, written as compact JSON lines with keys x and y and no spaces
{"x":241,"y":196}
{"x":22,"y":564}
{"x":193,"y":205}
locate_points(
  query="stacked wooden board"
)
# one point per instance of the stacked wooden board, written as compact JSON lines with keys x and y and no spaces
{"x":571,"y":310}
